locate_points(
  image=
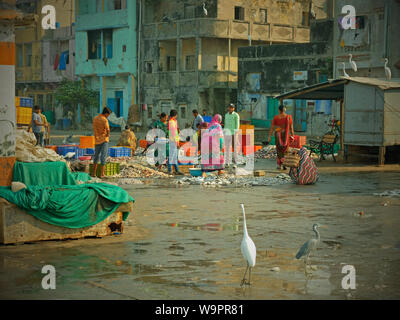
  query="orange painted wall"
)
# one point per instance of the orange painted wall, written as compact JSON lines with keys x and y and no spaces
{"x":7,"y":53}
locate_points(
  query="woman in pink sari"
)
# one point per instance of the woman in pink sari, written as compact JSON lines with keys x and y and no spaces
{"x":212,"y":144}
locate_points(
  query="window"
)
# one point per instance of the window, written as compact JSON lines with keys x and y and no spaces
{"x":83,"y":7}
{"x":95,"y":49}
{"x":189,"y":12}
{"x":117,"y":4}
{"x":263,"y":16}
{"x":190,"y":63}
{"x":360,"y":22}
{"x":182,"y":109}
{"x":148,"y":67}
{"x":108,"y":43}
{"x":171,"y":63}
{"x":150,"y":111}
{"x":20,"y":55}
{"x":99,"y":5}
{"x":28,"y":55}
{"x":94,"y":43}
{"x":239,"y":13}
{"x":306,"y":19}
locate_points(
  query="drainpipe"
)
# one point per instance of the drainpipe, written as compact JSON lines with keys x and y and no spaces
{"x":386,"y":31}
{"x":138,"y":70}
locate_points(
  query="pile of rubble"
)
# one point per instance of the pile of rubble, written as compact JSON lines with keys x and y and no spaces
{"x":216,"y":181}
{"x":268,"y":152}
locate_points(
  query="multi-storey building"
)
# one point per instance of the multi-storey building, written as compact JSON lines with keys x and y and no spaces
{"x":189,"y":49}
{"x":44,"y":57}
{"x":106,"y":54}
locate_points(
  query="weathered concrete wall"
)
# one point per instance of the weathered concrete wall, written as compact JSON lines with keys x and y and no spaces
{"x":369,"y":45}
{"x":7,"y":90}
{"x":279,"y":12}
{"x":49,"y":50}
{"x":155,"y":10}
{"x":277,"y":63}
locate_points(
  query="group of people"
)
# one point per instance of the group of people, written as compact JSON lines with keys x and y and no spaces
{"x":213,"y":139}
{"x":40,"y":127}
{"x":209,"y":137}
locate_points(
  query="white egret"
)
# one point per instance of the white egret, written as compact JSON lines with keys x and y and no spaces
{"x":204,"y":9}
{"x":248,"y":249}
{"x":69,"y":155}
{"x":352,"y":63}
{"x":344,"y":70}
{"x":388,"y":73}
{"x":309,"y":246}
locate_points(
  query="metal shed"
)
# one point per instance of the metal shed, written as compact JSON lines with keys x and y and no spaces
{"x":370,"y":109}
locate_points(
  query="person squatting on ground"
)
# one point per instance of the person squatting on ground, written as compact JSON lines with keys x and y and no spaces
{"x":161,"y":153}
{"x":173,"y":142}
{"x":101,"y":130}
{"x":282,"y":124}
{"x":128,"y":139}
{"x":212,"y":144}
{"x":306,"y":172}
{"x":231,"y":126}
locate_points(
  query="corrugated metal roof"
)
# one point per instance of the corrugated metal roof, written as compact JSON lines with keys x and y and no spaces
{"x":334,"y":89}
{"x":382,"y":84}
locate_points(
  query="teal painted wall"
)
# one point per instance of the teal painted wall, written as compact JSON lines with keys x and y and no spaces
{"x":123,"y":62}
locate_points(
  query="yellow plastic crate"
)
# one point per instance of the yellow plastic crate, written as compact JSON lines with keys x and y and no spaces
{"x":24,"y":115}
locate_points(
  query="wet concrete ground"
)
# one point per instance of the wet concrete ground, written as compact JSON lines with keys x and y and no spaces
{"x":184,"y":243}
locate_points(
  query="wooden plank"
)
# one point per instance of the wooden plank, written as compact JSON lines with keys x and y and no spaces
{"x":382,"y":152}
{"x":17,"y":226}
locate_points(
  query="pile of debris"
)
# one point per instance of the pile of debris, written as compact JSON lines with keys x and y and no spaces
{"x":27,"y":151}
{"x":217,"y":181}
{"x":268,"y":152}
{"x":389,"y":193}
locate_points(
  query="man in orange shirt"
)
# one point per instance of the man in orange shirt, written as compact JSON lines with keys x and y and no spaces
{"x":101,"y":130}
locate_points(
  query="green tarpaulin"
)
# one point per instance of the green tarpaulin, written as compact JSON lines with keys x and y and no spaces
{"x":45,"y":174}
{"x":74,"y":206}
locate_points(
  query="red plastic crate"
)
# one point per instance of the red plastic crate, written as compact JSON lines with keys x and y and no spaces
{"x":299,"y":141}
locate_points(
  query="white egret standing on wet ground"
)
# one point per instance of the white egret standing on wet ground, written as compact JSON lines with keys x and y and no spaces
{"x":344,"y":70}
{"x":388,"y":73}
{"x":248,"y":249}
{"x":309,"y":246}
{"x":352,"y":63}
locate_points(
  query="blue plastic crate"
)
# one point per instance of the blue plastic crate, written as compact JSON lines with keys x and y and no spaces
{"x":63,"y":150}
{"x":116,"y":152}
{"x":90,"y":151}
{"x":80,"y":153}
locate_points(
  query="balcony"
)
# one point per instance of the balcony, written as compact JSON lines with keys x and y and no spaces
{"x":204,"y":27}
{"x":102,"y":20}
{"x":202,"y":79}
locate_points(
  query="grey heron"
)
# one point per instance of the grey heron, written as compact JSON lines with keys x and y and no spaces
{"x":309,"y":246}
{"x":248,"y":249}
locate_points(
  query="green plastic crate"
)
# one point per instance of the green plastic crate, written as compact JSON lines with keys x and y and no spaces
{"x":112,"y":168}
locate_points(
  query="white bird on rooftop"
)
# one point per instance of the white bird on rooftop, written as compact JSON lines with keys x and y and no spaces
{"x":388,"y":73}
{"x":204,"y":9}
{"x":352,"y":63}
{"x":344,"y":70}
{"x":248,"y":249}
